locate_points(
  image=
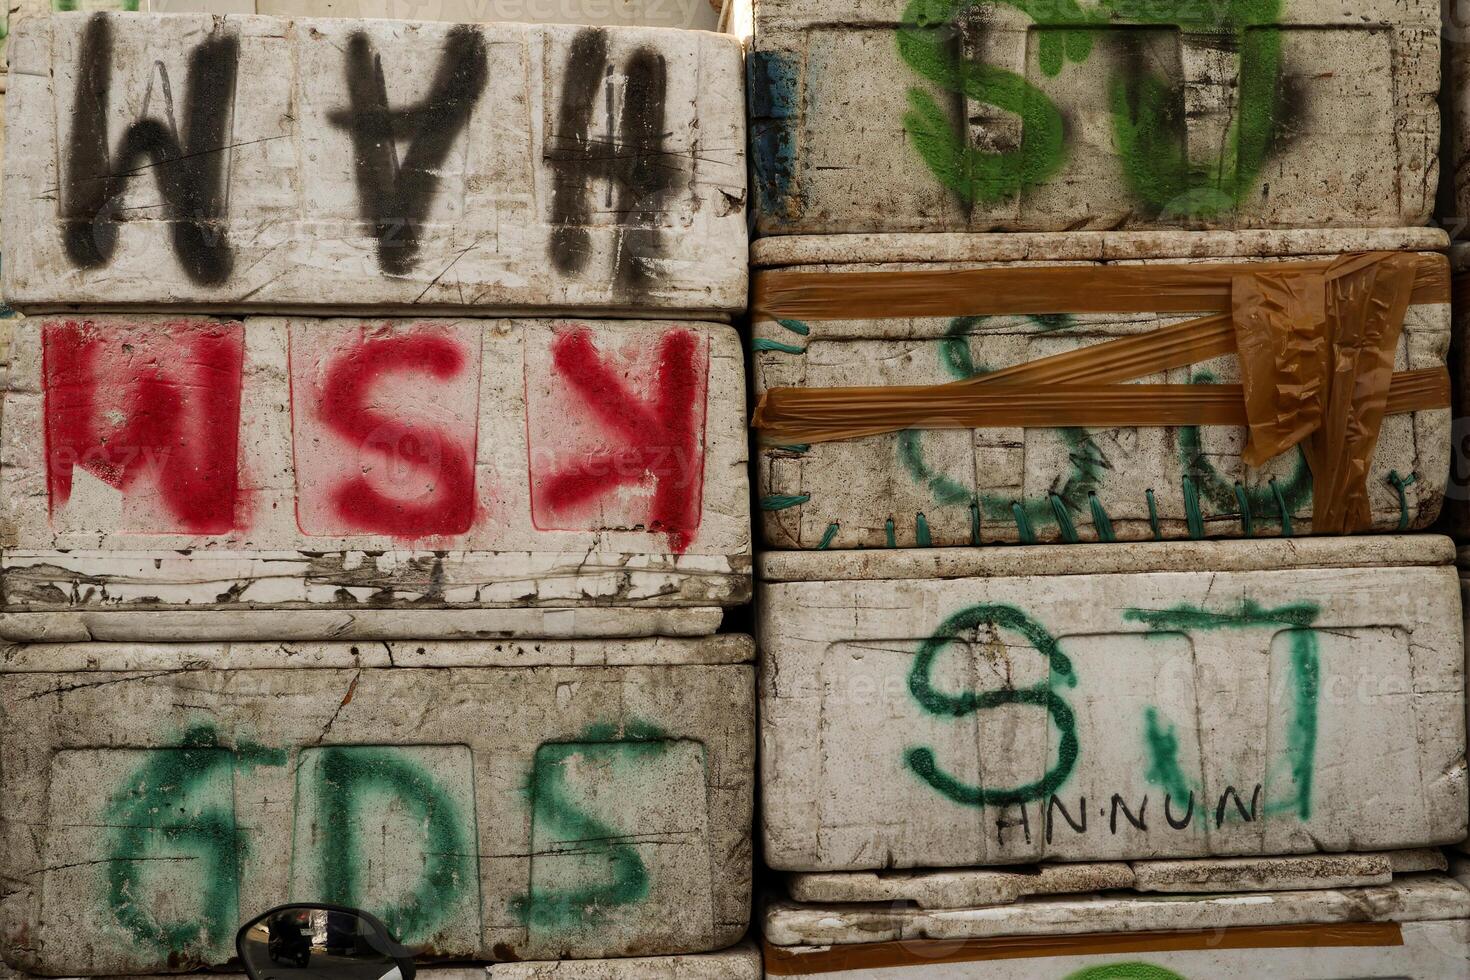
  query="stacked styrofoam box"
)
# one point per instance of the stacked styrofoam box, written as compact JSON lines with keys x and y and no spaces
{"x":1193,"y":708}
{"x":374,"y":480}
{"x":1124,"y":690}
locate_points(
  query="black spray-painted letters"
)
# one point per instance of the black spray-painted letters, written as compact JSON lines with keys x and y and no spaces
{"x":632,"y":157}
{"x":188,"y":162}
{"x":395,"y":195}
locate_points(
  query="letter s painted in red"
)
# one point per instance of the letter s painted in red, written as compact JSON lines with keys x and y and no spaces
{"x":445,"y":469}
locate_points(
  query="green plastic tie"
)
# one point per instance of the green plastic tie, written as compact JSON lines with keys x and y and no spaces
{"x":795,"y":326}
{"x":1064,"y":519}
{"x":1153,"y":515}
{"x":780,"y":502}
{"x":793,"y":449}
{"x":974,"y":523}
{"x":1023,"y":524}
{"x":888,"y":529}
{"x":921,"y":531}
{"x":1100,"y":519}
{"x":1399,"y":484}
{"x":763,"y":343}
{"x":1285,"y":511}
{"x":1192,"y":513}
{"x":1245,"y":509}
{"x":827,"y":538}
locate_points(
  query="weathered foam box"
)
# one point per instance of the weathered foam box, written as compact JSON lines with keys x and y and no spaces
{"x":960,"y":486}
{"x":1417,"y":929}
{"x":947,"y":708}
{"x":410,"y":473}
{"x":528,"y":167}
{"x":958,"y":888}
{"x":686,"y":14}
{"x":534,"y":800}
{"x":1455,"y":519}
{"x":741,"y":962}
{"x":938,"y":115}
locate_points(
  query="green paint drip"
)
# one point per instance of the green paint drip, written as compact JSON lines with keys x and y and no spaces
{"x":1186,"y":618}
{"x":921,"y":532}
{"x":351,"y":774}
{"x":942,"y":704}
{"x":1087,"y":464}
{"x":1304,"y":672}
{"x":628,"y":881}
{"x":1271,"y":499}
{"x":784,"y":501}
{"x":890,"y":532}
{"x":1301,"y":737}
{"x":827,"y":538}
{"x":1163,"y":753}
{"x":766,"y":344}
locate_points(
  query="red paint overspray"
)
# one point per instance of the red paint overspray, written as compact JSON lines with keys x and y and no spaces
{"x":150,"y":410}
{"x":401,"y":460}
{"x":655,"y":441}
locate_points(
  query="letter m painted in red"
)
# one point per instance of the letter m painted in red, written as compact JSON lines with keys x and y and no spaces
{"x":616,"y":433}
{"x":150,"y":410}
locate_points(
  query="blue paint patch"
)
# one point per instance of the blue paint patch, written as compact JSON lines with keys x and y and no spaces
{"x":772,"y":85}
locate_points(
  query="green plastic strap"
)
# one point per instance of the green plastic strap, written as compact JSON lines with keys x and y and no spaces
{"x":793,"y":449}
{"x":795,"y":326}
{"x":1399,"y":483}
{"x":921,"y":531}
{"x":1064,"y":519}
{"x":888,"y":529}
{"x":1192,"y":513}
{"x":974,"y":523}
{"x":1285,"y":511}
{"x":827,"y":538}
{"x":779,"y":502}
{"x":1023,"y":524}
{"x":1100,"y":519}
{"x":1245,"y":509}
{"x":1153,"y":515}
{"x":762,"y":343}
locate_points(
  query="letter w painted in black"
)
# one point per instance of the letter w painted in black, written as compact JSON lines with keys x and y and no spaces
{"x":633,"y":158}
{"x":395,"y":195}
{"x":188,"y":167}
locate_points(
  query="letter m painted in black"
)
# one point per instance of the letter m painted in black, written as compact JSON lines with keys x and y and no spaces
{"x":188,"y":162}
{"x":632,"y":157}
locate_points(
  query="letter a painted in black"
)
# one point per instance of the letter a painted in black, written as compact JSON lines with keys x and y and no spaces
{"x":633,"y":158}
{"x":394,"y":196}
{"x":188,"y":166}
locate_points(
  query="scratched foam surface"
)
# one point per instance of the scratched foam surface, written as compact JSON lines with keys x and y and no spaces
{"x":503,"y":801}
{"x":355,"y":164}
{"x":942,"y":115}
{"x":1128,"y":701}
{"x":1002,"y":484}
{"x":505,"y":463}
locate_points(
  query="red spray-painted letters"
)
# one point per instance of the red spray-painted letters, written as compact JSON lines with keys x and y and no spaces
{"x":606,"y":456}
{"x":152,"y":411}
{"x":384,"y":421}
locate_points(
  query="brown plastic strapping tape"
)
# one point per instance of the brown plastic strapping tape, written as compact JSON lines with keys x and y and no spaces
{"x":922,"y":953}
{"x":1204,"y":288}
{"x":1315,"y":342}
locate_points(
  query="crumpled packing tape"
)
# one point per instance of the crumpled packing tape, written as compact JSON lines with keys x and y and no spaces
{"x":1315,"y":341}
